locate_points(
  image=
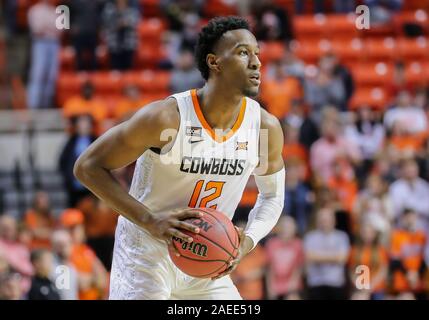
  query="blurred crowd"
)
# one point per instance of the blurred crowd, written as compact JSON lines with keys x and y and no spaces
{"x":357,"y":182}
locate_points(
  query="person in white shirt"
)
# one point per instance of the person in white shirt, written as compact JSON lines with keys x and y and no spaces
{"x":45,"y":47}
{"x":406,"y":115}
{"x":410,"y":192}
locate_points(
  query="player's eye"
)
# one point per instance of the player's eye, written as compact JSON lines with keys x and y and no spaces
{"x":243,"y":52}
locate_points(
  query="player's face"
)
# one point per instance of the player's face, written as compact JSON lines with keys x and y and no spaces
{"x":239,"y":66}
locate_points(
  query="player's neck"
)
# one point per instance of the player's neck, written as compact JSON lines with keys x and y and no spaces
{"x":220,"y":107}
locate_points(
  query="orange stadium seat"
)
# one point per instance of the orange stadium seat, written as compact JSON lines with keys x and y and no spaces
{"x":310,"y":51}
{"x":310,"y":26}
{"x":348,"y":50}
{"x":372,"y":74}
{"x":415,"y":4}
{"x":375,"y":97}
{"x":106,"y":82}
{"x":270,"y":51}
{"x":154,"y":81}
{"x":380,"y":49}
{"x":341,"y":26}
{"x":417,"y":73}
{"x":419,"y":17}
{"x":67,"y":58}
{"x":149,"y":55}
{"x":151,"y":29}
{"x":413,"y":49}
{"x":215,"y":8}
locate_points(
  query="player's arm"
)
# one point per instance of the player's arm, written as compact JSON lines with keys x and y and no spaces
{"x":119,"y":147}
{"x":270,"y":180}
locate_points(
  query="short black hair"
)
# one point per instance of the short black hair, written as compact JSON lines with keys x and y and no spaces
{"x":37,"y":254}
{"x":209,"y":36}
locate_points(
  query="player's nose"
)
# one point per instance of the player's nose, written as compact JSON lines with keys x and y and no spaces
{"x":255,"y":63}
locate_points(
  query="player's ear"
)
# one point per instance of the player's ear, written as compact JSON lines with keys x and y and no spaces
{"x":213,"y":62}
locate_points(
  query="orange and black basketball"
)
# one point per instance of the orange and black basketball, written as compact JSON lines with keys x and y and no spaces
{"x":212,"y":249}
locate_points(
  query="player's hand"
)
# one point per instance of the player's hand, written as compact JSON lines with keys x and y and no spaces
{"x":165,"y":225}
{"x":246,"y":244}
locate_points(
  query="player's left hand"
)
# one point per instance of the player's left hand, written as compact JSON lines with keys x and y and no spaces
{"x":246,"y":244}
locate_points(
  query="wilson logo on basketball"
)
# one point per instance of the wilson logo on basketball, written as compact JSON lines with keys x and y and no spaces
{"x":201,"y":224}
{"x":196,"y":248}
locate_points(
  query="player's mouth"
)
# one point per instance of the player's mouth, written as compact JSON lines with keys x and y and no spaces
{"x":255,"y":78}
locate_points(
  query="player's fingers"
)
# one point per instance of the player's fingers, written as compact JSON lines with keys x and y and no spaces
{"x":176,"y":233}
{"x":240,"y":232}
{"x":186,"y":226}
{"x":188,"y":214}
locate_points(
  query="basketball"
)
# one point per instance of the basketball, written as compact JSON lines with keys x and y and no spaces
{"x":212,"y":249}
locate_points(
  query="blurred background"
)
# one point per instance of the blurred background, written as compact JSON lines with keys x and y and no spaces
{"x":354,"y":108}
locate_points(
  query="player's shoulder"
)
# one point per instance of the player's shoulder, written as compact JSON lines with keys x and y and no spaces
{"x":159,"y":114}
{"x":270,"y":122}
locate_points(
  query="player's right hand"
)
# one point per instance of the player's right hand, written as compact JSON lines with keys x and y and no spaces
{"x":165,"y":225}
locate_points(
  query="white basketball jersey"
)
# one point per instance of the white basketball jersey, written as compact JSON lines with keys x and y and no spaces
{"x":199,"y":171}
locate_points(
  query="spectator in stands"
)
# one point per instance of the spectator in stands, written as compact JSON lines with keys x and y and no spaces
{"x":291,"y":64}
{"x":85,"y":103}
{"x":409,"y":117}
{"x":285,"y":256}
{"x":16,"y":255}
{"x":84,"y":27}
{"x":399,"y":81}
{"x":374,"y":207}
{"x":407,"y":256}
{"x":381,"y":11}
{"x":40,"y":221}
{"x":368,"y":134}
{"x":294,"y":150}
{"x":185,"y":75}
{"x":411,"y":192}
{"x":100,"y":226}
{"x":339,"y":6}
{"x":325,"y":88}
{"x":182,"y":15}
{"x":44,"y":54}
{"x":278,"y":90}
{"x":64,"y":272}
{"x":332,"y":65}
{"x":331,"y":146}
{"x":299,"y":117}
{"x":249,"y":274}
{"x":10,"y":286}
{"x":326,"y":253}
{"x":272,"y":22}
{"x":130,"y":102}
{"x":91,"y":272}
{"x":370,"y":253}
{"x":120,"y":22}
{"x":82,"y":137}
{"x":298,"y":197}
{"x":343,"y":183}
{"x":42,"y":288}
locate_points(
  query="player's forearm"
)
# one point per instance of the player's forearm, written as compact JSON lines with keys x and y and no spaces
{"x":102,"y":183}
{"x":268,"y":208}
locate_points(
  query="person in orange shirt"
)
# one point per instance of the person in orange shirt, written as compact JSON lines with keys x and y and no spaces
{"x":343,"y":183}
{"x":407,"y":256}
{"x":249,"y":274}
{"x":40,"y":222}
{"x":293,"y":149}
{"x":278,"y":91}
{"x":370,"y":253}
{"x":85,"y":103}
{"x":129,"y":103}
{"x":91,"y":273}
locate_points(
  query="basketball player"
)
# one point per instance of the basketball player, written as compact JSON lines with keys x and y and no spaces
{"x":206,"y":162}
